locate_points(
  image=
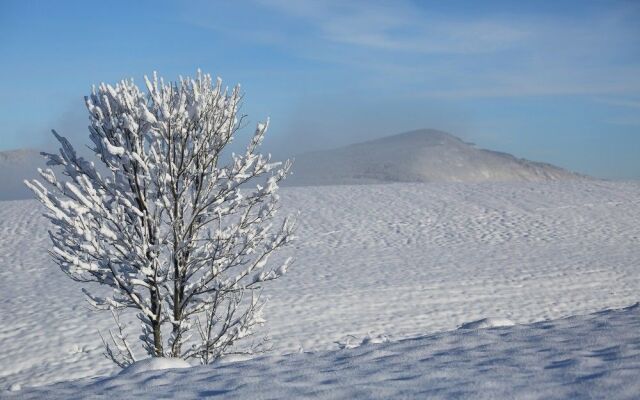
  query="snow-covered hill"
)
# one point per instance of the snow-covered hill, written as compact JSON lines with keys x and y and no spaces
{"x":16,"y":166}
{"x":586,"y":357}
{"x":417,"y":156}
{"x":399,"y":260}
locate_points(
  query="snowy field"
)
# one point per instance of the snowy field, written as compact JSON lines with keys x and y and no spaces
{"x":388,"y":261}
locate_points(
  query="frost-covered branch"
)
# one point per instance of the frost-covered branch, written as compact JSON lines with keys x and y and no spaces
{"x":170,"y":221}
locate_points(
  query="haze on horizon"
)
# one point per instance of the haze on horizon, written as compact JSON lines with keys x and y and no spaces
{"x":551,"y":81}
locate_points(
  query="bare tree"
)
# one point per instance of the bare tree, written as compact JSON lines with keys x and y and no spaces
{"x":174,"y":226}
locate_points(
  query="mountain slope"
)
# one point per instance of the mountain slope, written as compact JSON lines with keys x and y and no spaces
{"x":417,"y":156}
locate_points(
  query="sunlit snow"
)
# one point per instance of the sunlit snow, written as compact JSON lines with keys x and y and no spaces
{"x":384,"y":262}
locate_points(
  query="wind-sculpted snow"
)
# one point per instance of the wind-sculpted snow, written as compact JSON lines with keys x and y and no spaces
{"x":595,"y":356}
{"x":400,"y":260}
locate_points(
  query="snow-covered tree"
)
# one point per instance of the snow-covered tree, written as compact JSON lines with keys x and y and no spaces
{"x":180,"y":230}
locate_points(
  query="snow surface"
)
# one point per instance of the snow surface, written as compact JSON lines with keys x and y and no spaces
{"x":425,"y":155}
{"x":379,"y":261}
{"x":595,"y":356}
{"x":486,"y":323}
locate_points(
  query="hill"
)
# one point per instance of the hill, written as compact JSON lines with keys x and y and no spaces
{"x":417,"y":156}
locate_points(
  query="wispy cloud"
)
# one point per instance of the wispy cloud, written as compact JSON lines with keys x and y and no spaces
{"x":401,"y":26}
{"x":454,"y":54}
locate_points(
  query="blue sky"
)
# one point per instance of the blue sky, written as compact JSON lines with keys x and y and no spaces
{"x":555,"y":81}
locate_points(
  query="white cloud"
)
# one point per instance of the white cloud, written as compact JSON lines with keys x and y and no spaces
{"x":403,"y":44}
{"x":400,"y":26}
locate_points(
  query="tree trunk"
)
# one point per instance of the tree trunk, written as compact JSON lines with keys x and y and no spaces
{"x":178,"y":291}
{"x":156,"y":325}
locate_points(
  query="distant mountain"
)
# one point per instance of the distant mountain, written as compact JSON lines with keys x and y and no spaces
{"x":417,"y":156}
{"x":16,"y":166}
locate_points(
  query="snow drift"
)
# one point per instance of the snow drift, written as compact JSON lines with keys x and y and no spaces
{"x":417,"y":156}
{"x":594,"y":356}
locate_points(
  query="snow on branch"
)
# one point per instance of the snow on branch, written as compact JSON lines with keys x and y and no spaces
{"x":176,"y":226}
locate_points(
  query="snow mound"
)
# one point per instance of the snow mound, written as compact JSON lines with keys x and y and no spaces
{"x":487,"y":323}
{"x":418,"y":156}
{"x":154,"y":364}
{"x":351,"y":342}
